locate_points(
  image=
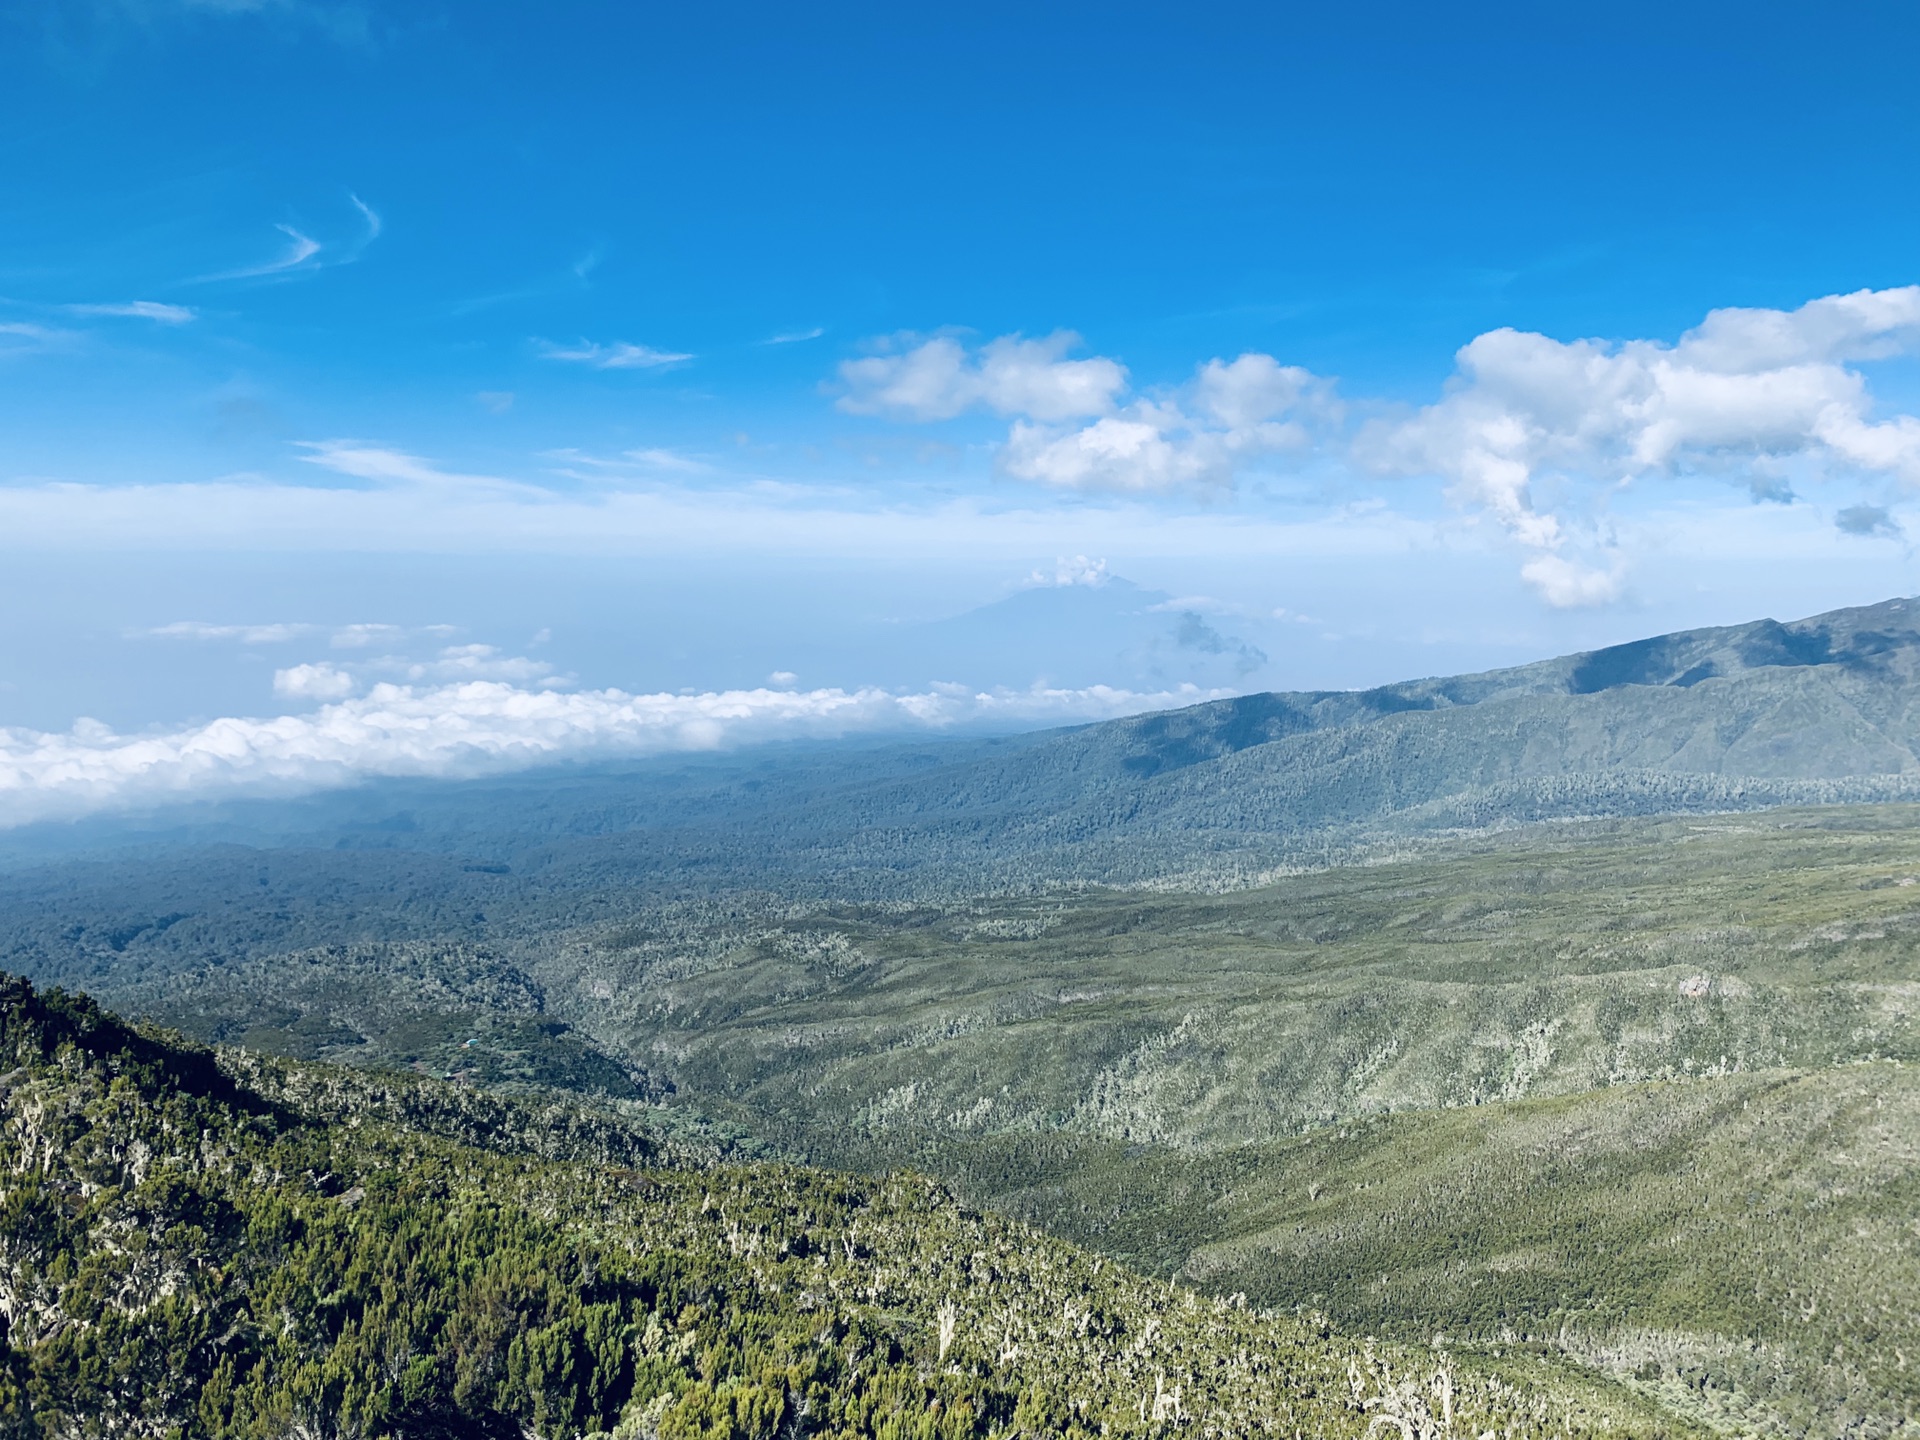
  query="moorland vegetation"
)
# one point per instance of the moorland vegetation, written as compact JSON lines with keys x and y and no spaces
{"x":181,"y":1255}
{"x":1513,"y":1009}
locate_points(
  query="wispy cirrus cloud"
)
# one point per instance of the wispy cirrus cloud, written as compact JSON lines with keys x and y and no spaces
{"x":654,"y":459}
{"x":361,"y":635}
{"x":619,"y":355}
{"x":25,"y":337}
{"x":795,"y":337}
{"x":154,"y":310}
{"x":303,"y":254}
{"x":270,"y":634}
{"x":362,"y":460}
{"x":374,"y":224}
{"x":366,"y":634}
{"x":295,"y":255}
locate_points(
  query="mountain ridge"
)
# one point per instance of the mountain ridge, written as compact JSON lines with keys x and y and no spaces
{"x":1814,"y":711}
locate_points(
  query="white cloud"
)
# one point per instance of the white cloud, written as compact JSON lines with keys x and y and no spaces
{"x":1232,"y":412}
{"x":276,"y":634}
{"x":364,"y":461}
{"x":478,"y":727}
{"x":303,"y":254}
{"x":1567,"y":584}
{"x":300,"y":249}
{"x":1229,"y":413}
{"x":620,"y":355}
{"x":939,"y":378}
{"x":658,"y":458}
{"x":23,"y":337}
{"x":475,"y":662}
{"x":651,"y":458}
{"x":795,"y":337}
{"x":1075,"y":570}
{"x":374,"y":223}
{"x":154,"y":310}
{"x":313,"y":682}
{"x":1752,"y":391}
{"x":362,"y":636}
{"x":1140,"y":450}
{"x":1244,"y":394}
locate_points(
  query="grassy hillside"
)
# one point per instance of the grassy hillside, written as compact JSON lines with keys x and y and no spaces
{"x":183,"y":1256}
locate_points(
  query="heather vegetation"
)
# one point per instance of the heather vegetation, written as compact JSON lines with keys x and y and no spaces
{"x":184,"y":1256}
{"x":1631,"y":1094}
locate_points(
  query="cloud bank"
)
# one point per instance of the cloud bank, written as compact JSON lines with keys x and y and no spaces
{"x":479,"y":727}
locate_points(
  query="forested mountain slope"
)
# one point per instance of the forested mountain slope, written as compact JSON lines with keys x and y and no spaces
{"x":182,"y":1256}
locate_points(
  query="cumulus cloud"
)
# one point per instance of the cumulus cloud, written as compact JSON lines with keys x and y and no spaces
{"x":1071,"y":429}
{"x":1755,"y":392}
{"x":1231,"y":412}
{"x":620,"y":355}
{"x":476,"y":727}
{"x":1567,"y":584}
{"x":1140,"y":450}
{"x":939,"y":378}
{"x":313,"y":682}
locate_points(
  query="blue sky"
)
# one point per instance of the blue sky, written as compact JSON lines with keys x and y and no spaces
{"x":637,"y":350}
